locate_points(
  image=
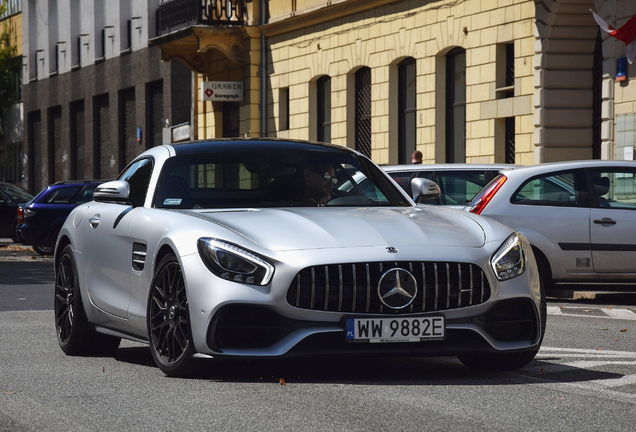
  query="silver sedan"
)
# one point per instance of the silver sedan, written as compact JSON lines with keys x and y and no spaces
{"x":270,"y":248}
{"x":578,"y":216}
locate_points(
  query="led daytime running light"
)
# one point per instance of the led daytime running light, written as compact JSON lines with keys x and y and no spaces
{"x":234,"y":263}
{"x":510,"y":260}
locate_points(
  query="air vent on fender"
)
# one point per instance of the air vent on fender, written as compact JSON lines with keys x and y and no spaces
{"x":139,"y":256}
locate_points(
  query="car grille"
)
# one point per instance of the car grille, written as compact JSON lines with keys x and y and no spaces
{"x":353,"y":287}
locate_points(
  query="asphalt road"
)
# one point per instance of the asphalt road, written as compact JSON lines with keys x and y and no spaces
{"x":584,"y":379}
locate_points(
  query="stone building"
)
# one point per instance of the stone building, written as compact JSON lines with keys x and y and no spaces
{"x":95,"y":94}
{"x":523,"y":81}
{"x":11,"y":146}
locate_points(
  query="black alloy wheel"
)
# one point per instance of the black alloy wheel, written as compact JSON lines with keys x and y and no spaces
{"x":168,"y":320}
{"x":65,"y":288}
{"x":74,"y":333}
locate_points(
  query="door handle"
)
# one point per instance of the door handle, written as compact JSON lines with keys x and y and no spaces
{"x":94,"y":221}
{"x":605,"y":221}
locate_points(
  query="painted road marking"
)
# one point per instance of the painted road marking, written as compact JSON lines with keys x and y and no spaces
{"x":589,"y":312}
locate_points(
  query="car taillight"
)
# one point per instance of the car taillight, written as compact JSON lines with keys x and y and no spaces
{"x":484,"y":197}
{"x":20,"y":215}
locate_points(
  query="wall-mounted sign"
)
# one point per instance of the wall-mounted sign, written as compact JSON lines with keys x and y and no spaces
{"x":222,"y":91}
{"x":181,"y":133}
{"x":621,"y":69}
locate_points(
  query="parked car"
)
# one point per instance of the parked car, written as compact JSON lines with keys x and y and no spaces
{"x":11,"y":196}
{"x":211,"y":248}
{"x":44,"y":215}
{"x":458,"y":183}
{"x":578,"y":216}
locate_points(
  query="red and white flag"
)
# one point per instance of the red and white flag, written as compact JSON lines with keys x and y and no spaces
{"x":626,"y":34}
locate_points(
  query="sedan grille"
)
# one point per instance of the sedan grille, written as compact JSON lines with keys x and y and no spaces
{"x":353,"y":288}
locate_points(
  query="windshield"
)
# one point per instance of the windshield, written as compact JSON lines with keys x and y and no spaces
{"x":294,"y":178}
{"x":16,"y":193}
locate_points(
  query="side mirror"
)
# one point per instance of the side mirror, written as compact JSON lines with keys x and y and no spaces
{"x":113,"y":191}
{"x":424,"y":189}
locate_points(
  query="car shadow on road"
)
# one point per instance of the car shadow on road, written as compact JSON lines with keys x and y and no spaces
{"x":442,"y":371}
{"x":26,"y":272}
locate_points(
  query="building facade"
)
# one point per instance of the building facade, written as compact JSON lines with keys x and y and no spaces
{"x":11,"y":129}
{"x":523,"y":81}
{"x":95,"y":94}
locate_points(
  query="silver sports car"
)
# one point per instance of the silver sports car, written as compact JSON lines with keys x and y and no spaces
{"x":271,"y":248}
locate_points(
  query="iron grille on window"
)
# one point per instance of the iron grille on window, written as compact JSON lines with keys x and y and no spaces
{"x":352,"y":287}
{"x":510,"y":140}
{"x":231,"y":119}
{"x":156,"y":113}
{"x":324,"y":109}
{"x":510,"y":68}
{"x":407,"y":109}
{"x":57,"y":153}
{"x":11,"y":163}
{"x":78,"y":150}
{"x":363,"y":111}
{"x":456,"y":106}
{"x":35,"y":144}
{"x":128,"y":124}
{"x":107,"y":149}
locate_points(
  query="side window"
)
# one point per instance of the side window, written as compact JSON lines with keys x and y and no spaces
{"x":615,"y":188}
{"x":459,"y":187}
{"x":138,"y":176}
{"x":86,"y":195}
{"x":402,"y":178}
{"x":63,"y":195}
{"x":563,"y":189}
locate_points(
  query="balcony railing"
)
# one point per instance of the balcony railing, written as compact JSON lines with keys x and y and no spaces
{"x":176,"y":14}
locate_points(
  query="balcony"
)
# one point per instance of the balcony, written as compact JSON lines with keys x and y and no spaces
{"x":179,"y":14}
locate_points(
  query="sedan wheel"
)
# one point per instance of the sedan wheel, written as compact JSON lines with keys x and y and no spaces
{"x":44,"y":250}
{"x":168,"y":320}
{"x":74,"y":333}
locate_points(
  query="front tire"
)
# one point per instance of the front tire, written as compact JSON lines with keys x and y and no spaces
{"x":508,"y":361}
{"x":44,"y":250}
{"x":74,"y":333}
{"x":168,"y":320}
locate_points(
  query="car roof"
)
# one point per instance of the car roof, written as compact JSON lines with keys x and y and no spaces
{"x":253,"y":144}
{"x":76,"y":182}
{"x":530,"y":170}
{"x":448,"y":167}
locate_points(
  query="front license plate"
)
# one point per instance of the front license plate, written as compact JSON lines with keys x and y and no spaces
{"x":384,"y":330}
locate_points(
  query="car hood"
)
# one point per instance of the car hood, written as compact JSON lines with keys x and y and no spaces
{"x":320,"y":228}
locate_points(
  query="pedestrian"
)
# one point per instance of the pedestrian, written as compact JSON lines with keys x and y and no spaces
{"x":416,"y":157}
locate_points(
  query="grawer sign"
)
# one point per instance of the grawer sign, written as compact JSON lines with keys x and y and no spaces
{"x":222,"y":91}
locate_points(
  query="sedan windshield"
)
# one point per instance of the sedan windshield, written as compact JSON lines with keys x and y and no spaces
{"x":274,"y":179}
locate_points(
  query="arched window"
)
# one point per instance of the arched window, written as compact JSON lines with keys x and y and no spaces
{"x":407,"y":109}
{"x":456,"y":105}
{"x":324,"y":108}
{"x":363,"y":111}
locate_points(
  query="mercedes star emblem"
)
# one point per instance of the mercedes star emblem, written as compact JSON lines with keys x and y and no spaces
{"x":397,"y":288}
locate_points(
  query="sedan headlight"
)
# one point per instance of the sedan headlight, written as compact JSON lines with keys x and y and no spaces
{"x":510,"y":259}
{"x":231,"y":262}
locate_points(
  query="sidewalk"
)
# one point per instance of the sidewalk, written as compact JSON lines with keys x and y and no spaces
{"x":10,"y":251}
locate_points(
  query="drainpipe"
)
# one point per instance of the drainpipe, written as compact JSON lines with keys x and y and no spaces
{"x":263,"y":71}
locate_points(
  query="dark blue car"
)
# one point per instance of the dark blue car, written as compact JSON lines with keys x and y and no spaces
{"x":45,"y":214}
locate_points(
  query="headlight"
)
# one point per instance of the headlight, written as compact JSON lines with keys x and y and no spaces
{"x":510,"y":259}
{"x":231,"y":262}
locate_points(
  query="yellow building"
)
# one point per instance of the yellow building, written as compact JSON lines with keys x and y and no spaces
{"x":523,"y":81}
